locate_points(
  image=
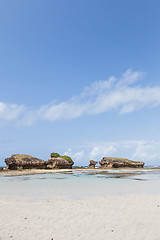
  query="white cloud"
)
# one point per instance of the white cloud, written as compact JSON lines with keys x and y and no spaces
{"x":130,"y":77}
{"x":10,"y":112}
{"x":102,"y":96}
{"x":100,"y":151}
{"x":68,"y":152}
{"x":146,"y":151}
{"x":76,"y":156}
{"x":123,"y":95}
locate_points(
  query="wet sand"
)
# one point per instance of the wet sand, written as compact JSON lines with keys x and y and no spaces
{"x":48,"y":171}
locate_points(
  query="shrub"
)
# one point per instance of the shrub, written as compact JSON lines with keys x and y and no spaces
{"x":67,"y":158}
{"x":55,"y":155}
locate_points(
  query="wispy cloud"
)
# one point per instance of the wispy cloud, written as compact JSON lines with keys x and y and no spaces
{"x":10,"y":112}
{"x":146,"y":151}
{"x":123,"y":95}
{"x":100,"y":151}
{"x":76,"y":156}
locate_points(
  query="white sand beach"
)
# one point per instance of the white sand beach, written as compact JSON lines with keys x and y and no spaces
{"x":113,"y":217}
{"x":68,"y":207}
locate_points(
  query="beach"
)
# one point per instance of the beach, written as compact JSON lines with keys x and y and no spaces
{"x":79,"y":206}
{"x":120,"y":217}
{"x":79,"y":120}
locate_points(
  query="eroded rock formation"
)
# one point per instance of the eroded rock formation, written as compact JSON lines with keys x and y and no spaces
{"x":59,"y":163}
{"x":24,"y":161}
{"x":92,"y":164}
{"x":111,"y":162}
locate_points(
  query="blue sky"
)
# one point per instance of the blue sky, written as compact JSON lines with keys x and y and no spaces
{"x":80,"y":78}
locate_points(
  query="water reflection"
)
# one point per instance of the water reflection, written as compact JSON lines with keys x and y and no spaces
{"x":130,"y":174}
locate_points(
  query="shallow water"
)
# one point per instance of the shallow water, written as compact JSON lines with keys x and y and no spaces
{"x":78,"y":184}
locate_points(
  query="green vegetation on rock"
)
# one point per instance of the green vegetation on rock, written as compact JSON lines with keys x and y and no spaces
{"x":67,"y":158}
{"x":55,"y":155}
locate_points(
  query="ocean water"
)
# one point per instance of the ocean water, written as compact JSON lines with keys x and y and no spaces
{"x":79,"y":184}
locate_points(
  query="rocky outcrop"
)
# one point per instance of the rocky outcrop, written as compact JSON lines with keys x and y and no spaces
{"x":111,"y":162}
{"x":58,"y":163}
{"x":23,"y":161}
{"x":92,"y":164}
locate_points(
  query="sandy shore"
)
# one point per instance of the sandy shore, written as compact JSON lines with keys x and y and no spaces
{"x":43,"y":171}
{"x":31,"y":172}
{"x":64,"y":206}
{"x":114,"y":217}
{"x":47,"y":171}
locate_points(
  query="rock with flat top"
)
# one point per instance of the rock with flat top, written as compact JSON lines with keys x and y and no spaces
{"x":59,"y":163}
{"x":113,"y":162}
{"x":24,"y":161}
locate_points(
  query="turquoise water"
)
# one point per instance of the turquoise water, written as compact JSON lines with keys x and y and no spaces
{"x":82,"y":184}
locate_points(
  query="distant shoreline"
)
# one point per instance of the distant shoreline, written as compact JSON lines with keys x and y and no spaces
{"x":50,"y":171}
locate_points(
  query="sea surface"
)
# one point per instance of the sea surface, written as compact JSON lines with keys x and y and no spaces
{"x":79,"y":184}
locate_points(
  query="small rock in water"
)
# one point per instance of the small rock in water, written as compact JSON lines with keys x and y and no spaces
{"x":158,"y":205}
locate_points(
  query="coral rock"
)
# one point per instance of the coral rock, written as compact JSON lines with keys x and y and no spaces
{"x":111,"y":162}
{"x":59,"y":163}
{"x":92,"y":164}
{"x":23,"y":161}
